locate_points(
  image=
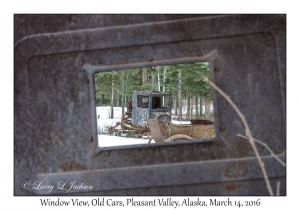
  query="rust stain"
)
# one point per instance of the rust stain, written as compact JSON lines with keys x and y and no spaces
{"x":160,"y":130}
{"x":231,"y":187}
{"x":71,"y":165}
{"x":236,"y":170}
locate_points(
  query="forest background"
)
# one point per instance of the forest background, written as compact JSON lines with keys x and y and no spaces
{"x":183,"y":81}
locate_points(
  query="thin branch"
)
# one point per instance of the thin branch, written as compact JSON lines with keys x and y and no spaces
{"x":248,"y":133}
{"x":266,"y":146}
{"x":278,"y":188}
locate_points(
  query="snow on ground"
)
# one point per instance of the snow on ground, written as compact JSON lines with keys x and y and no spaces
{"x":103,"y":118}
{"x":111,"y":141}
{"x":180,"y":122}
{"x":104,"y":121}
{"x":104,"y":112}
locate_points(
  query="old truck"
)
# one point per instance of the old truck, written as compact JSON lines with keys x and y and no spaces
{"x":150,"y":104}
{"x":150,"y":113}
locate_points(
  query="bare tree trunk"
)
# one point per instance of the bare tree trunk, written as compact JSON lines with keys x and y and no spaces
{"x":192,"y":106}
{"x":158,"y":78}
{"x":164,"y":86}
{"x":112,"y":99}
{"x":144,"y":76}
{"x":153,"y":78}
{"x":125,"y":103}
{"x":175,"y":105}
{"x":207,"y":105}
{"x":123,"y":89}
{"x":117,"y":98}
{"x":201,"y":106}
{"x":197,"y":105}
{"x":188,"y":104}
{"x":179,"y":95}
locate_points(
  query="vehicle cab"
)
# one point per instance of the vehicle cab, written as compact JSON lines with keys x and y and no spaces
{"x":150,"y":104}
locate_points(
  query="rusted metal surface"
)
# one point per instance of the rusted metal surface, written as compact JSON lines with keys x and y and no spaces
{"x":54,"y":135}
{"x":202,"y":122}
{"x":178,"y":136}
{"x":232,"y":171}
{"x":164,"y":130}
{"x":126,"y":127}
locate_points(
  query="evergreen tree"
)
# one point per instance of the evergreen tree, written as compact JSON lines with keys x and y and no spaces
{"x":115,"y":87}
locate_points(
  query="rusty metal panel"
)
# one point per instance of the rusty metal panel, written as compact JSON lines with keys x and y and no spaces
{"x":139,"y":117}
{"x":54,"y":136}
{"x":140,"y":110}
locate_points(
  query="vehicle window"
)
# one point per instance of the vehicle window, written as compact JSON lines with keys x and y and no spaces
{"x":142,"y":101}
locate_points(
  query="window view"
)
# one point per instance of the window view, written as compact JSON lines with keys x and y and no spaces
{"x":142,"y":101}
{"x":153,"y":105}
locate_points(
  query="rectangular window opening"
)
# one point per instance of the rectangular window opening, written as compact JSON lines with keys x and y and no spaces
{"x":142,"y":101}
{"x":153,"y":104}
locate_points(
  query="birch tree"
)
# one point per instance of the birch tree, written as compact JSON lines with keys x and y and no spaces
{"x":179,"y":94}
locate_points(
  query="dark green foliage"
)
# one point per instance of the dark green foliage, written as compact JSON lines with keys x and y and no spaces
{"x":125,"y":81}
{"x":191,"y":78}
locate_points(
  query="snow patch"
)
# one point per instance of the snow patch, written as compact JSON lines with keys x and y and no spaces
{"x":111,"y":141}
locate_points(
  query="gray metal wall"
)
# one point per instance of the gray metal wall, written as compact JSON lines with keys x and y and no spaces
{"x":54,"y":119}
